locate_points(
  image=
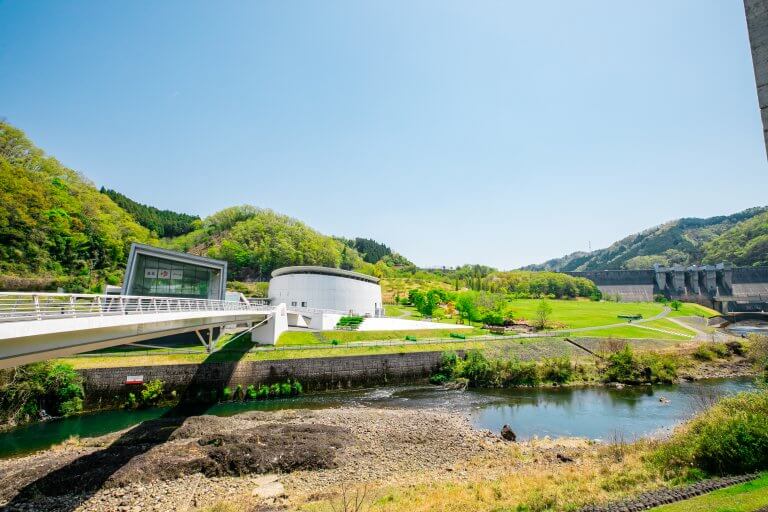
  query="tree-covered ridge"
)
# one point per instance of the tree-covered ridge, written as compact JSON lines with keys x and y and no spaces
{"x":745,"y":244}
{"x":370,"y":250}
{"x":684,"y":241}
{"x":256,"y":241}
{"x":163,"y":223}
{"x":54,"y":222}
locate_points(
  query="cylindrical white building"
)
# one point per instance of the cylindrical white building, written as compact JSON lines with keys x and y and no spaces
{"x":326,"y":288}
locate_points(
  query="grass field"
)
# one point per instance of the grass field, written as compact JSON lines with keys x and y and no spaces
{"x":148,"y":359}
{"x":689,"y":309}
{"x":747,"y":497}
{"x":325,"y":337}
{"x":585,"y":313}
{"x":669,"y":326}
{"x":628,"y":332}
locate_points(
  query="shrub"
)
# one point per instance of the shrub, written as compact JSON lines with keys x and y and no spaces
{"x":731,"y":437}
{"x":263,"y":392}
{"x":286,"y":389}
{"x":297,"y":388}
{"x":27,"y":390}
{"x":239,"y":392}
{"x":131,"y":402}
{"x":437,"y":379}
{"x":710,"y":351}
{"x":151,"y":393}
{"x":557,"y":370}
{"x":676,"y":305}
{"x":623,"y":366}
{"x":476,"y":369}
{"x":449,"y":362}
{"x":514,"y":372}
{"x":227,"y":393}
{"x":251,"y":392}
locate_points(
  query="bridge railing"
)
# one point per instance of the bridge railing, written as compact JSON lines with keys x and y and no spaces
{"x":18,"y":307}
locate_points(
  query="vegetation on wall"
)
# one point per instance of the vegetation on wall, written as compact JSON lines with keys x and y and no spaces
{"x":28,"y":392}
{"x":163,"y":223}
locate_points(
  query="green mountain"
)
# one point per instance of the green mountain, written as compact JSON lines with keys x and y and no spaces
{"x":163,"y":223}
{"x":256,"y":241}
{"x":741,"y":238}
{"x":56,"y":229}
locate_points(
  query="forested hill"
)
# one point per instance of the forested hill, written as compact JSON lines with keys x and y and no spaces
{"x":56,"y":229}
{"x":163,"y":223}
{"x":741,"y":239}
{"x":256,"y":241}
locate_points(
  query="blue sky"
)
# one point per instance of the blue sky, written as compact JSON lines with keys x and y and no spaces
{"x":495,"y":132}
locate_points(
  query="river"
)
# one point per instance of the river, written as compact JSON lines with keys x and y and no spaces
{"x":594,"y":412}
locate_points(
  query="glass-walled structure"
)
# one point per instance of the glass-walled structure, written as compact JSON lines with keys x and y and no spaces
{"x":158,"y":272}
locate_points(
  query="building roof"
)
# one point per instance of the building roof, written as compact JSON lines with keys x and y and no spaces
{"x":327,"y":271}
{"x":182,"y":257}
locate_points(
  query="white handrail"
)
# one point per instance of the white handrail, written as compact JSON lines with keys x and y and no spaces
{"x":26,"y":306}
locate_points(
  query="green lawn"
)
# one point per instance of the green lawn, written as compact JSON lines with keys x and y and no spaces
{"x":669,"y":326}
{"x":628,"y":332}
{"x":325,"y":337}
{"x":584,"y":313}
{"x":690,"y":309}
{"x":268,"y":355}
{"x":746,"y":497}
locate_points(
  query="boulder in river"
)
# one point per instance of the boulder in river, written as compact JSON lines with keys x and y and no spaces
{"x":508,"y":434}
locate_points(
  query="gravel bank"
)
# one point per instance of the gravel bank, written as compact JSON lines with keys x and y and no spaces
{"x":277,"y":458}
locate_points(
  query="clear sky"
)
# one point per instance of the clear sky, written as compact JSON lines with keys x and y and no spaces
{"x":495,"y":132}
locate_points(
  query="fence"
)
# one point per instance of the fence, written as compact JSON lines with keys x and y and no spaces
{"x":19,"y":307}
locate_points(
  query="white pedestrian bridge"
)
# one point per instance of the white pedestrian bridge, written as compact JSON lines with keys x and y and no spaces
{"x":39,"y":326}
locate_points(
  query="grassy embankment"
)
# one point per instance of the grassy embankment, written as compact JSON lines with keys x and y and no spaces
{"x":567,"y":313}
{"x":747,"y":497}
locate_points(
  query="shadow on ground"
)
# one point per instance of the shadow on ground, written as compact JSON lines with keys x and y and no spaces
{"x":84,"y":476}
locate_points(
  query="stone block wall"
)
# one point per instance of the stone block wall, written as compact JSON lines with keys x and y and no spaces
{"x":315,"y":374}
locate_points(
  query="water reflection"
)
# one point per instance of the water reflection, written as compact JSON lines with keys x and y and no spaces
{"x":594,"y":412}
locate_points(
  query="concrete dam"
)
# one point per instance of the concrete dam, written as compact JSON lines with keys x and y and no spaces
{"x":721,"y":287}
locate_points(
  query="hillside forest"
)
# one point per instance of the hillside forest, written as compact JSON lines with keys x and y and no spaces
{"x":58,"y":230}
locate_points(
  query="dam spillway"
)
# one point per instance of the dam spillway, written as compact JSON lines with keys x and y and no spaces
{"x":721,"y":287}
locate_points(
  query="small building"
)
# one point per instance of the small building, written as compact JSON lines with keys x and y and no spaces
{"x":328,"y":289}
{"x":152,"y":271}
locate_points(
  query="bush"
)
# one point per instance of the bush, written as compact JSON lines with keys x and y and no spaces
{"x":131,"y":402}
{"x":710,"y":351}
{"x":286,"y":389}
{"x":476,"y":369}
{"x":151,"y":393}
{"x":514,"y":372}
{"x":239,"y":392}
{"x":449,"y":362}
{"x":263,"y":392}
{"x":25,"y":391}
{"x":227,"y":393}
{"x":297,"y":388}
{"x":623,"y":366}
{"x":729,"y":438}
{"x":437,"y":379}
{"x":557,"y":370}
{"x":251,"y":392}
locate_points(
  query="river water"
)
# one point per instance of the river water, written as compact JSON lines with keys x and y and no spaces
{"x":594,"y":412}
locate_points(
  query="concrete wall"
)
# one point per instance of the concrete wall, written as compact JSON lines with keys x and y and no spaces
{"x":315,"y":374}
{"x":330,"y":292}
{"x":757,"y":23}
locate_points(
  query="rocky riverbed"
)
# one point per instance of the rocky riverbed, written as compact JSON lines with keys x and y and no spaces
{"x":271,"y":460}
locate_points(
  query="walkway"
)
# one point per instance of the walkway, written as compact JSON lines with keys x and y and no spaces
{"x":40,"y":326}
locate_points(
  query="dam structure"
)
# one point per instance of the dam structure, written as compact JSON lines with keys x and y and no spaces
{"x":721,"y":287}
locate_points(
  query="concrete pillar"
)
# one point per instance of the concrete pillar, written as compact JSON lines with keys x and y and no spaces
{"x":270,"y":331}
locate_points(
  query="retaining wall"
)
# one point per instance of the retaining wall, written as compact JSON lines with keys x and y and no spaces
{"x":315,"y":374}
